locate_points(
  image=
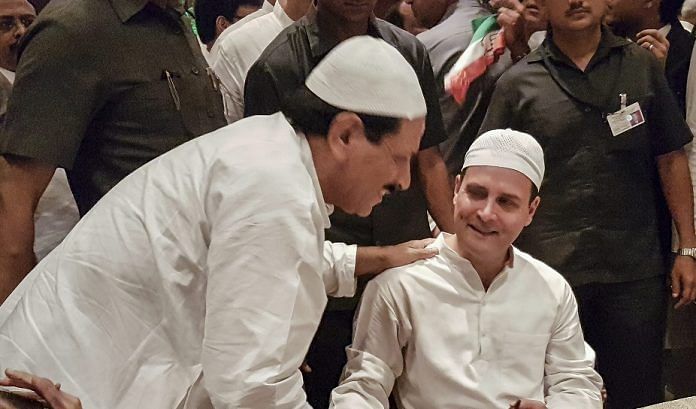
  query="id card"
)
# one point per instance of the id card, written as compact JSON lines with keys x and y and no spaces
{"x":625,"y":119}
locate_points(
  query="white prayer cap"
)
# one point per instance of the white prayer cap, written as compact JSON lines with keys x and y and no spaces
{"x":505,"y":148}
{"x":367,"y":75}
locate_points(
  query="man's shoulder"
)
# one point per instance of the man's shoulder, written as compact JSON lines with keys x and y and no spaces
{"x":403,"y":279}
{"x":78,"y":14}
{"x":554,"y":280}
{"x":401,"y":39}
{"x":249,"y":41}
{"x":282,"y":47}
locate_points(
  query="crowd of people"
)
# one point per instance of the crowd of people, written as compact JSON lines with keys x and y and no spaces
{"x":283,"y":205}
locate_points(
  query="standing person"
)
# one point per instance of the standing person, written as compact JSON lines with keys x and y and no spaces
{"x":460,"y":330}
{"x":278,"y":72}
{"x":655,"y":26}
{"x":215,"y":16}
{"x":202,"y":273}
{"x":100,"y":110}
{"x":450,"y":32}
{"x":56,"y":212}
{"x":238,"y":52}
{"x":613,"y":141}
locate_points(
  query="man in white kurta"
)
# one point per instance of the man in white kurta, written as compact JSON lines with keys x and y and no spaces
{"x":450,"y":332}
{"x":209,"y":259}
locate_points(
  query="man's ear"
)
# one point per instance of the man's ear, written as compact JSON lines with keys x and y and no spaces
{"x":457,"y":186}
{"x":221,"y":23}
{"x":532,"y":209}
{"x":345,"y":129}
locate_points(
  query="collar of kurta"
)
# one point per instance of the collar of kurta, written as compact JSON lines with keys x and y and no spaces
{"x":126,"y":9}
{"x":548,"y":48}
{"x":321,"y":43}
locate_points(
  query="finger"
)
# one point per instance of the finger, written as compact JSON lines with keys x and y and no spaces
{"x":676,"y":287}
{"x":422,"y":254}
{"x":422,"y":243}
{"x":20,"y":379}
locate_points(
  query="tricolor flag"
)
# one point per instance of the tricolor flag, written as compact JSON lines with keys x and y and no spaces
{"x":486,"y":45}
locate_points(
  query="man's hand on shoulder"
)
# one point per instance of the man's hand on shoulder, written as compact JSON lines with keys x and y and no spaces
{"x":408,"y":252}
{"x":374,"y":259}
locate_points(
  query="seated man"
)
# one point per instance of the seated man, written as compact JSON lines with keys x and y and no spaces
{"x":481,"y":325}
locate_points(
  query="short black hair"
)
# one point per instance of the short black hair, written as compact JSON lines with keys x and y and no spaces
{"x":670,"y":10}
{"x":533,"y":193}
{"x":312,"y":115}
{"x":207,"y":11}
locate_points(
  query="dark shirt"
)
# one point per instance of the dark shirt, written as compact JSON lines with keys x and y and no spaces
{"x":599,"y":219}
{"x":681,"y":44}
{"x":282,"y":69}
{"x":91,"y":93}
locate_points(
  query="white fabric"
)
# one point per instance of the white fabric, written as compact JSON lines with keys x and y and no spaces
{"x":385,"y":86}
{"x":432,"y":329}
{"x":266,"y":8}
{"x":238,"y":52}
{"x":207,"y":259}
{"x":10,"y":75}
{"x":508,"y":149}
{"x":56,"y":214}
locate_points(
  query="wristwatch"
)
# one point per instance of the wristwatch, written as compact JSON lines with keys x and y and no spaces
{"x":689,"y":251}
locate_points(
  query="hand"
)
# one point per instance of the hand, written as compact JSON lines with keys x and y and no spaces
{"x":684,"y":280}
{"x":305,"y":368}
{"x":654,"y":42}
{"x":43,"y":388}
{"x":511,"y":19}
{"x":410,"y":251}
{"x":527,"y":404}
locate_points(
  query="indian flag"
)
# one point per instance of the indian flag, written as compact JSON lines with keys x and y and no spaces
{"x":486,"y":45}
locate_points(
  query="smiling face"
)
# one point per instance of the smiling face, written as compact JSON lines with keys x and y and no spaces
{"x":491,"y":207}
{"x":575,"y":15}
{"x":15,"y":17}
{"x":369,"y":170}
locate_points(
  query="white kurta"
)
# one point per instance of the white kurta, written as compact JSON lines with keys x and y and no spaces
{"x":207,"y":259}
{"x":237,"y":52}
{"x":432,"y":329}
{"x":266,"y":8}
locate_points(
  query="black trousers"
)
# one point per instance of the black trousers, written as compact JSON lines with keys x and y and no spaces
{"x":327,"y":356}
{"x":625,"y":324}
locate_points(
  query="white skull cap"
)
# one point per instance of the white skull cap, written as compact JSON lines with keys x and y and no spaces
{"x":505,"y":148}
{"x":366,"y":75}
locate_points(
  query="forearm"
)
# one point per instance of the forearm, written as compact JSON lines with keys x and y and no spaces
{"x":676,"y":185}
{"x":432,"y":172}
{"x":16,"y":248}
{"x":372,"y":260}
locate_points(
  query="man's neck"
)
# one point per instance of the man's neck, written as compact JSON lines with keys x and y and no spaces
{"x":337,"y":27}
{"x":487,"y":266}
{"x":295,"y":9}
{"x":579,"y":46}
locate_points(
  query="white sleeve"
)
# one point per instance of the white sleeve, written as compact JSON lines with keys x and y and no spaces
{"x":264,"y":290}
{"x":569,"y":376}
{"x":231,"y":74}
{"x":339,"y":275}
{"x":374,"y":358}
